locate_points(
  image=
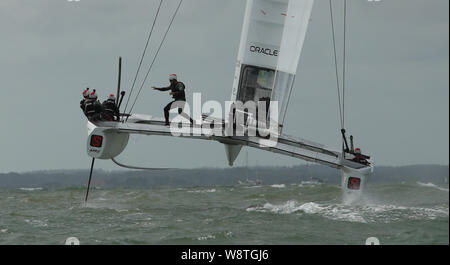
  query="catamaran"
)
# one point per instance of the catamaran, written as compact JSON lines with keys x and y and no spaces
{"x":272,"y":39}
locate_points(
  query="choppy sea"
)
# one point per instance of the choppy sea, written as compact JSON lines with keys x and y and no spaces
{"x":307,"y":213}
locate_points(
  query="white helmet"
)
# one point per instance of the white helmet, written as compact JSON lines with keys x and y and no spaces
{"x":111,"y":97}
{"x":86,"y":93}
{"x":172,"y":77}
{"x":93,"y":95}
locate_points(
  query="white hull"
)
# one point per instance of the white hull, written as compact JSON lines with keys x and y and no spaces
{"x":353,"y":182}
{"x":104,"y":143}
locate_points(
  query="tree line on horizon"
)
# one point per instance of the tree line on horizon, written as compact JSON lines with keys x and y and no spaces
{"x":216,"y":177}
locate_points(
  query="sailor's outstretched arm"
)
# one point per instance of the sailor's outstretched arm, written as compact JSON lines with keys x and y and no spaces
{"x":161,"y":88}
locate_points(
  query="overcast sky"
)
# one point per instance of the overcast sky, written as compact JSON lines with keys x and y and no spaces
{"x":397,"y":95}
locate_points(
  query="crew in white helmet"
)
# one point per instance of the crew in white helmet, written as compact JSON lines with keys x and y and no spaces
{"x":93,"y":108}
{"x":85,"y":97}
{"x":177,"y":92}
{"x":110,"y":111}
{"x":359,"y":157}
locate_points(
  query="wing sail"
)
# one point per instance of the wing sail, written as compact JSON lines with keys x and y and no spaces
{"x":272,"y":38}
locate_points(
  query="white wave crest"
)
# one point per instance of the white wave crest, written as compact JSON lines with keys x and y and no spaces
{"x":327,"y":211}
{"x":31,"y":189}
{"x":391,"y":213}
{"x":202,"y":191}
{"x":201,"y":238}
{"x":431,"y":185}
{"x":356,"y":213}
{"x":36,"y":223}
{"x":104,"y":206}
{"x":309,"y":183}
{"x":279,"y":186}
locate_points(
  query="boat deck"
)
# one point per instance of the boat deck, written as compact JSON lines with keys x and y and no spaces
{"x":283,"y":144}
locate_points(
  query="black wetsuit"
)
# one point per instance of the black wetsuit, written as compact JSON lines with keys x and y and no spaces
{"x":82,"y":103}
{"x":179,"y":96}
{"x":93,"y":109}
{"x":362,"y":159}
{"x":110,"y":112}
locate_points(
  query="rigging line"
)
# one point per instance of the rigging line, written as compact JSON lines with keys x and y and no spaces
{"x":156,"y":55}
{"x":336,"y":65}
{"x":289,"y":100}
{"x":344,"y":64}
{"x":143,"y":55}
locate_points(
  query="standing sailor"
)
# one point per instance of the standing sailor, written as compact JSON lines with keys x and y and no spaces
{"x":177,"y":92}
{"x":110,"y":111}
{"x":93,"y":108}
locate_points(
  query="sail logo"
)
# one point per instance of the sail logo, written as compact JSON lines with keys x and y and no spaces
{"x":265,"y":51}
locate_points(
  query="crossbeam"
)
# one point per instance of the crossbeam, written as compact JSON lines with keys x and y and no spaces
{"x":284,"y":144}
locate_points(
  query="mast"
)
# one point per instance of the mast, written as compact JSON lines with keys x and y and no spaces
{"x":118,"y":81}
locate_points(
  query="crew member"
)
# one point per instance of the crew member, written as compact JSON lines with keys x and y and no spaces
{"x":359,"y":158}
{"x":85,"y":97}
{"x":110,"y":111}
{"x":93,"y":108}
{"x":177,"y":92}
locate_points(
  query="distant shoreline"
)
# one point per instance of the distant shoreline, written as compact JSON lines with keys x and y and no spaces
{"x":437,"y":174}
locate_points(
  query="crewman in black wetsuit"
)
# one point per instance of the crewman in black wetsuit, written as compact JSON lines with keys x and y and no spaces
{"x":359,"y":158}
{"x":110,"y":111}
{"x":85,"y":97}
{"x":177,"y":92}
{"x":93,"y":108}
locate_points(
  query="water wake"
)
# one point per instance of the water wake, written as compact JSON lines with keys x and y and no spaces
{"x":431,"y":185}
{"x":355,"y":213}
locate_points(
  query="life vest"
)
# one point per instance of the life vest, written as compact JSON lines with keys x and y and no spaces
{"x":109,"y":110}
{"x":360,"y":159}
{"x":82,"y":104}
{"x":109,"y":107}
{"x":179,"y":89}
{"x":90,"y":108}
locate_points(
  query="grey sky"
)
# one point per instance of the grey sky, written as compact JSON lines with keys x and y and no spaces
{"x":397,"y":95}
